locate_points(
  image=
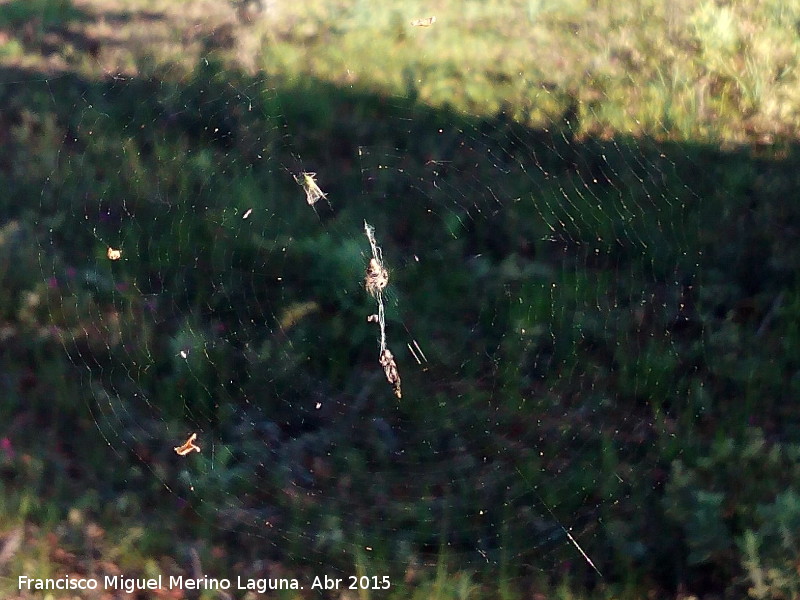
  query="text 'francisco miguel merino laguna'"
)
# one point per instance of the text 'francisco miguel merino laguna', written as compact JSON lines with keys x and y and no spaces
{"x":133,"y":584}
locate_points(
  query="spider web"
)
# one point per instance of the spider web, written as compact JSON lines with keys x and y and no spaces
{"x":539,"y":298}
{"x":242,"y":317}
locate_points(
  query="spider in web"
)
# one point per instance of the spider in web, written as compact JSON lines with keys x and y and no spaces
{"x":377,"y":277}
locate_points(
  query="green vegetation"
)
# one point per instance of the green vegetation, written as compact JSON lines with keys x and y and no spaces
{"x":599,"y":199}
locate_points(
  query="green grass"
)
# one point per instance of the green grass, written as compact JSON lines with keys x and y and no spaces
{"x":691,"y":71}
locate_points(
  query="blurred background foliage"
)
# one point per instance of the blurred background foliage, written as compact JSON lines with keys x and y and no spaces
{"x":621,"y":361}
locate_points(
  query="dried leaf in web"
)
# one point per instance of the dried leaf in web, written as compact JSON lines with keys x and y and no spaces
{"x":188,"y":446}
{"x":390,"y":368}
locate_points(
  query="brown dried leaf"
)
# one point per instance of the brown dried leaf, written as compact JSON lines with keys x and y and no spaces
{"x":188,"y":446}
{"x":390,"y":368}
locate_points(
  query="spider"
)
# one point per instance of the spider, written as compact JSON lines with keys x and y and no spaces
{"x":377,"y":277}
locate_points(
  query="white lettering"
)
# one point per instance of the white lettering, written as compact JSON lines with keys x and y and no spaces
{"x":202,"y":583}
{"x":131,"y":584}
{"x":62,"y":583}
{"x":326,"y":583}
{"x":262,"y":585}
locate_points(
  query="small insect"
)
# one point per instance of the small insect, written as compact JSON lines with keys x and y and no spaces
{"x":188,"y":446}
{"x":373,"y":319}
{"x":309,"y":184}
{"x":426,"y":22}
{"x":377,"y":277}
{"x":390,"y":368}
{"x":248,"y":213}
{"x":113,"y":254}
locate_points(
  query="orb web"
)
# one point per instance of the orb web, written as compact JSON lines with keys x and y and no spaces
{"x":537,"y":299}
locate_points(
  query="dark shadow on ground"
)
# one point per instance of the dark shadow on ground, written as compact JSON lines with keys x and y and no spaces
{"x":597,"y":309}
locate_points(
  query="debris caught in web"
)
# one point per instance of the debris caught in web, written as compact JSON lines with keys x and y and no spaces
{"x":426,"y":22}
{"x":375,"y":281}
{"x":309,"y":184}
{"x":188,"y":446}
{"x":113,"y":254}
{"x":390,"y":368}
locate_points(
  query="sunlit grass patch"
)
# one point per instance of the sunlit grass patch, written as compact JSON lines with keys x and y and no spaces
{"x":665,"y":69}
{"x":682,"y":71}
